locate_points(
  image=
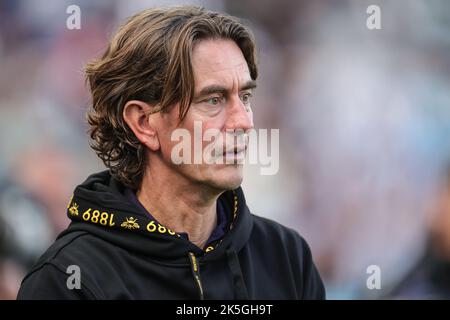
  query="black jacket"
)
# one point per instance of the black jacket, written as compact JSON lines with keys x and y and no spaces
{"x":122,"y":254}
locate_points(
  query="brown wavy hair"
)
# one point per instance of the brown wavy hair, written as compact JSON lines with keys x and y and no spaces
{"x":149,"y":59}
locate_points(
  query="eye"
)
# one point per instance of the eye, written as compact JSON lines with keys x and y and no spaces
{"x":245,"y":98}
{"x":215,"y":101}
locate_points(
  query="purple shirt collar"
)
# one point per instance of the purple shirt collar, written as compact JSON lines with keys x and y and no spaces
{"x":218,"y":232}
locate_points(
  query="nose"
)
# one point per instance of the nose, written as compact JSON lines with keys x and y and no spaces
{"x":239,"y":117}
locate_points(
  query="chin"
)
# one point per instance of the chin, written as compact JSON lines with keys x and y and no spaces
{"x":227,"y":177}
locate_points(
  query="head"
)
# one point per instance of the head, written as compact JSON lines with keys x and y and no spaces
{"x":181,"y":69}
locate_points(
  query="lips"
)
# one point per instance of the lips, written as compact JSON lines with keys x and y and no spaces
{"x":236,"y":155}
{"x":230,"y":151}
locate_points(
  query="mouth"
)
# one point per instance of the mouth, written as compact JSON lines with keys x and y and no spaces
{"x":235,"y":154}
{"x":235,"y":150}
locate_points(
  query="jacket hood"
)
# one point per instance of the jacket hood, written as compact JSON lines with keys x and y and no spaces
{"x":99,"y":207}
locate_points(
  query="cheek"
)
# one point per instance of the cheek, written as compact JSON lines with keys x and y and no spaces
{"x":217,"y":123}
{"x":166,"y":145}
{"x":167,"y":127}
{"x":214,"y":127}
{"x":198,"y":125}
{"x":250,"y":116}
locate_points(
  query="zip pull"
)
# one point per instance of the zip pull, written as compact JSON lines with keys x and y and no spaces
{"x":195,"y":268}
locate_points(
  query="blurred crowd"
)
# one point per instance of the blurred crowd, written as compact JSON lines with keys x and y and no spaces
{"x":364,"y":120}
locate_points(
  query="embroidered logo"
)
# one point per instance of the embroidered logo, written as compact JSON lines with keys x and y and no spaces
{"x":130,"y":223}
{"x":74,"y":209}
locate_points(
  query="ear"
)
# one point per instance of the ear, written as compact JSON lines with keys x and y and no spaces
{"x":135,"y":114}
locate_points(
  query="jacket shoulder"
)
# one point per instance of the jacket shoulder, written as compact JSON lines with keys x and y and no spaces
{"x":50,"y":276}
{"x":276,"y":231}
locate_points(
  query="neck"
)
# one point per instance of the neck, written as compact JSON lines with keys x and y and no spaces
{"x":178,"y":204}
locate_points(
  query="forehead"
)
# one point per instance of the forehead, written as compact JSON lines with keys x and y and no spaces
{"x":219,"y":61}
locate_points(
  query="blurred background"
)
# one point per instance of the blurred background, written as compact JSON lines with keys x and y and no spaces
{"x":364,"y":120}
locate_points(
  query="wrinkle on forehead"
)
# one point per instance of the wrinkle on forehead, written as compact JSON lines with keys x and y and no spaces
{"x":219,"y":61}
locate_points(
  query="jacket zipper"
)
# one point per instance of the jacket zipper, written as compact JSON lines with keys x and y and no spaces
{"x":196,"y":272}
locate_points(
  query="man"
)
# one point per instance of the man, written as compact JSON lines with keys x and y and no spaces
{"x":153,"y":228}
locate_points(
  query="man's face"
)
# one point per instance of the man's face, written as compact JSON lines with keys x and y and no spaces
{"x":223,"y":89}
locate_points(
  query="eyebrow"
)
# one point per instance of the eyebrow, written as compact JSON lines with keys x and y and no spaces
{"x":223,"y":90}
